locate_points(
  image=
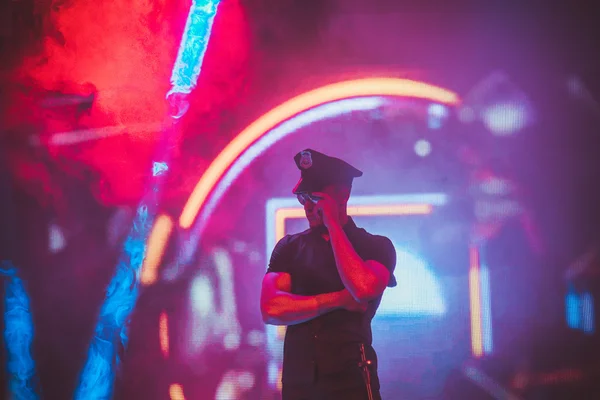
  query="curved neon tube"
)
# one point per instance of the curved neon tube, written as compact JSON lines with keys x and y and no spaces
{"x":303,"y":102}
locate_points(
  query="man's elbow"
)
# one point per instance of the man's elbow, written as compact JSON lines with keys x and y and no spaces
{"x":270,"y":313}
{"x":368,"y":291}
{"x":372,"y":285}
{"x":366,"y":296}
{"x":269,"y":319}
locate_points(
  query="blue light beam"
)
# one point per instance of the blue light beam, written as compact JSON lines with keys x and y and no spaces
{"x":111,"y":336}
{"x":18,"y":336}
{"x":193,"y":46}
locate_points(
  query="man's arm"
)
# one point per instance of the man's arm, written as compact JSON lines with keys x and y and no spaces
{"x":365,"y":280}
{"x":280,"y":307}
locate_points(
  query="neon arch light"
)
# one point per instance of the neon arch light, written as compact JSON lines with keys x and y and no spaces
{"x":244,"y":141}
{"x":238,"y":147}
{"x":242,"y":144}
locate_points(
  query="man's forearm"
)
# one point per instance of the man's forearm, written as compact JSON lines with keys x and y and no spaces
{"x":285,"y":308}
{"x":356,"y":275}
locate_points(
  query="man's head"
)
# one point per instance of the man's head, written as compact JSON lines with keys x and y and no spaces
{"x":322,"y":173}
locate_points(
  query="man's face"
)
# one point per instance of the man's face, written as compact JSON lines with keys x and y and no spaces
{"x":339,"y":193}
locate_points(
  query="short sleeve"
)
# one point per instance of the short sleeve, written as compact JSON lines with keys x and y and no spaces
{"x":382,"y":250}
{"x":281,"y":256}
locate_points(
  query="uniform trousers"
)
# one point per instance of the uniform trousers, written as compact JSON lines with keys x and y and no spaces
{"x":330,"y":387}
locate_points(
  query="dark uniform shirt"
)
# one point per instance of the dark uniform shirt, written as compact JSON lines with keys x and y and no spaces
{"x":328,"y":345}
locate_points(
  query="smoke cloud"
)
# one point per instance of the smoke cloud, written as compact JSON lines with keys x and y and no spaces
{"x":125,"y":49}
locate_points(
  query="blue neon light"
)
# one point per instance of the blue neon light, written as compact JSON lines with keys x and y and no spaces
{"x":159,"y":168}
{"x":486,"y":309}
{"x":579,"y":308}
{"x":18,"y":336}
{"x":193,"y":46}
{"x":110,"y":337}
{"x":587,"y":310}
{"x":572,"y":310}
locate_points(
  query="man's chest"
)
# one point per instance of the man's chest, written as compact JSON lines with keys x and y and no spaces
{"x":313,"y":268}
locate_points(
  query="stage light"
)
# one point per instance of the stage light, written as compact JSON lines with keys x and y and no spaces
{"x":422,"y":148}
{"x":503,"y":107}
{"x":504,"y":119}
{"x":163,"y":333}
{"x":572,"y":310}
{"x":496,"y":186}
{"x":213,"y":313}
{"x":579,"y":309}
{"x":480,"y":305}
{"x":56,"y":239}
{"x":486,"y":309}
{"x":436,"y":115}
{"x":202,"y":296}
{"x":176,"y":392}
{"x":157,"y":243}
{"x":475,"y":304}
{"x":587,"y":311}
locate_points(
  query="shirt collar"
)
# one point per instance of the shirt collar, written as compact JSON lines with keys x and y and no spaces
{"x":350,"y":225}
{"x":348,"y":228}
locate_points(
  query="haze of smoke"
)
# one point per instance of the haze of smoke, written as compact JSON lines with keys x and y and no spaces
{"x":125,"y":48}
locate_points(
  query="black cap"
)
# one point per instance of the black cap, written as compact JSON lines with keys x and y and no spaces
{"x":318,"y":170}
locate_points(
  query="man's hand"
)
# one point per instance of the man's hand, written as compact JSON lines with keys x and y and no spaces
{"x":349,"y":303}
{"x":328,"y":209}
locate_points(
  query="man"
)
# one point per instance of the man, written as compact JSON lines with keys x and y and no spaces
{"x":325,"y":284}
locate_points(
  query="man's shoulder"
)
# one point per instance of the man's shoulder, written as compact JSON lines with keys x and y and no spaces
{"x":381,"y":249}
{"x":294,"y":237}
{"x":377,"y":243}
{"x":378,"y":239}
{"x":301,"y":234}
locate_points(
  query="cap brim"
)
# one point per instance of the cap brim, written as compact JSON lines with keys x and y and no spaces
{"x":301,"y":187}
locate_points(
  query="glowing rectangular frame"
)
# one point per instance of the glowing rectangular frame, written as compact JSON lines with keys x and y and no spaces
{"x":280,"y":209}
